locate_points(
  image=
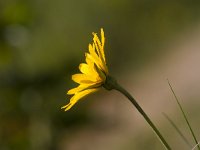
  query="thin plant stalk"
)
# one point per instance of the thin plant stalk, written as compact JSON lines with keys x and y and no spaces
{"x":184,"y":115}
{"x":196,"y":145}
{"x":111,"y":83}
{"x":178,"y":130}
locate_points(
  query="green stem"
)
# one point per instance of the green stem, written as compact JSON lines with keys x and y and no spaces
{"x":178,"y":130}
{"x":112,"y":84}
{"x":184,"y":115}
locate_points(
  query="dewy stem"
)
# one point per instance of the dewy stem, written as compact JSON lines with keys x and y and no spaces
{"x":112,"y":84}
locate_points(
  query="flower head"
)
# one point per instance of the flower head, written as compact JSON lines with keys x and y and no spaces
{"x":93,"y":72}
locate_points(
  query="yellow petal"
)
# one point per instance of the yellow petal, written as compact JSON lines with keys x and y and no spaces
{"x":77,"y":97}
{"x":93,"y":52}
{"x":88,"y":61}
{"x":85,"y":69}
{"x":97,"y":43}
{"x":95,"y":58}
{"x":83,"y":87}
{"x":101,"y":65}
{"x":100,"y":73}
{"x":102,"y":38}
{"x":78,"y":89}
{"x":82,"y":78}
{"x":89,"y":70}
{"x":99,"y":47}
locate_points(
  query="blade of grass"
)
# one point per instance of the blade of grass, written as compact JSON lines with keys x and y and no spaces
{"x":196,"y":145}
{"x":184,"y":115}
{"x":178,"y":130}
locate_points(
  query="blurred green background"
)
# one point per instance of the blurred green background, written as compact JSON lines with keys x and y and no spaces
{"x":41,"y":45}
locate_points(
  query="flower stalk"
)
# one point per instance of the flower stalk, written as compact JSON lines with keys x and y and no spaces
{"x":94,"y":74}
{"x":184,"y":115}
{"x":111,"y":83}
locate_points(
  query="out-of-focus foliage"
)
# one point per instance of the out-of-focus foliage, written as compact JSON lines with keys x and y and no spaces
{"x":43,"y":41}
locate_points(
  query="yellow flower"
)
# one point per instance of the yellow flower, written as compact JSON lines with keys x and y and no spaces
{"x":93,"y":72}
